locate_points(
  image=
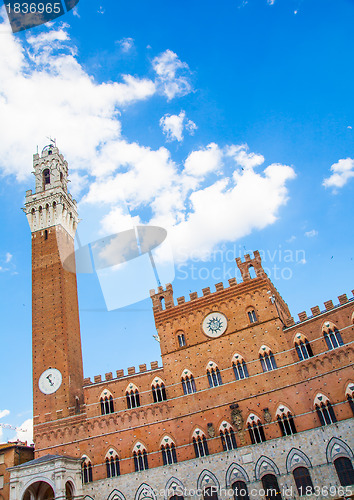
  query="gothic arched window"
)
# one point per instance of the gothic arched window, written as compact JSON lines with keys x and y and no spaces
{"x":200,"y":444}
{"x":46,"y":177}
{"x":210,"y":493}
{"x":285,"y":421}
{"x":271,"y":487}
{"x":332,"y":335}
{"x":303,"y":347}
{"x":140,"y":458}
{"x":132,"y":396}
{"x":255,"y":429}
{"x":324,"y":410}
{"x":214,"y":376}
{"x":239,"y":367}
{"x":303,"y":481}
{"x":168,"y":451}
{"x":188,"y":383}
{"x":158,"y":391}
{"x":86,"y":470}
{"x":252,"y":317}
{"x":107,"y":403}
{"x":266,"y":358}
{"x":350,"y":396}
{"x":181,"y":339}
{"x":240,"y":490}
{"x":112,"y":464}
{"x":344,"y":470}
{"x":227,"y":436}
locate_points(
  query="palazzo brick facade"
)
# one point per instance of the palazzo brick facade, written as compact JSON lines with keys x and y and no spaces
{"x":252,"y":384}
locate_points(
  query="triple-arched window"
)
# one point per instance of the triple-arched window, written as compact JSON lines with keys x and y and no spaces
{"x":168,"y":451}
{"x":200,"y":444}
{"x":266,"y":358}
{"x":255,"y":429}
{"x":188,"y":383}
{"x":140,"y":457}
{"x":227,"y":436}
{"x":158,"y":390}
{"x":214,"y":375}
{"x":112,"y":464}
{"x":239,"y":366}
{"x":132,"y":396}
{"x":107,"y":404}
{"x":332,"y":335}
{"x":285,"y":421}
{"x":324,"y":410}
{"x":303,"y":347}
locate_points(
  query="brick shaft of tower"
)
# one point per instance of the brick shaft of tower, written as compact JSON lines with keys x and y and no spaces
{"x":56,"y":342}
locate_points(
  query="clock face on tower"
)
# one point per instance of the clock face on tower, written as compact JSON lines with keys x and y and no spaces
{"x":50,"y":381}
{"x":214,"y":324}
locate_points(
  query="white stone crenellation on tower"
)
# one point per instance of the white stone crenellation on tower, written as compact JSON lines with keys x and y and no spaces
{"x":51,"y":204}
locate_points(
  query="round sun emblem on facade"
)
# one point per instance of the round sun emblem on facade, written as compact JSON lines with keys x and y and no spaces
{"x":214,"y":324}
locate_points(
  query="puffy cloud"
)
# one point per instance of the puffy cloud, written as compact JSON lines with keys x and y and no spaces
{"x":311,"y":234}
{"x":44,"y":89}
{"x":244,"y":159}
{"x":126,"y":44}
{"x":4,"y":413}
{"x":201,"y":205}
{"x":25,"y":432}
{"x":203,"y":162}
{"x":8,"y":257}
{"x":173,"y":126}
{"x":172,"y":74}
{"x":341,"y":173}
{"x":204,"y":201}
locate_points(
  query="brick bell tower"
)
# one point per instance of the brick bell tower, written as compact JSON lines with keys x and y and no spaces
{"x":56,"y":343}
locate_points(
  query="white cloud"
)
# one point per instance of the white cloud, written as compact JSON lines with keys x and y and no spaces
{"x":201,"y":205}
{"x":311,"y":234}
{"x":4,"y":413}
{"x":25,"y":432}
{"x":341,"y":173}
{"x":8,"y":257}
{"x":172,"y":74}
{"x":271,"y":2}
{"x":244,"y":159}
{"x":206,"y":200}
{"x":101,"y":10}
{"x":75,"y":11}
{"x":173,"y":126}
{"x":202,"y":162}
{"x":126,"y":44}
{"x":45,"y":90}
{"x":291,"y":239}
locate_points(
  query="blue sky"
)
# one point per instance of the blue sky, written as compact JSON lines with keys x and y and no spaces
{"x":230,"y":124}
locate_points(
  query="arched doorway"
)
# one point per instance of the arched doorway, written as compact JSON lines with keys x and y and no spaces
{"x":39,"y":491}
{"x":69,"y":491}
